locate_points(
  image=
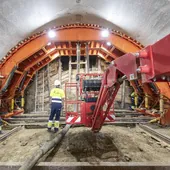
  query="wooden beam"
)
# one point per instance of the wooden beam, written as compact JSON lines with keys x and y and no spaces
{"x":87,"y":57}
{"x":108,"y":52}
{"x":36,"y":86}
{"x":72,"y":63}
{"x":60,"y":69}
{"x":78,"y":53}
{"x":89,"y":165}
{"x":99,"y":65}
{"x":70,"y":68}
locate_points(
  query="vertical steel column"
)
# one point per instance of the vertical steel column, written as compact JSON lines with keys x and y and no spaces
{"x":48,"y":86}
{"x":48,"y":80}
{"x":99,"y":65}
{"x":123,"y":95}
{"x":87,"y":57}
{"x":78,"y":52}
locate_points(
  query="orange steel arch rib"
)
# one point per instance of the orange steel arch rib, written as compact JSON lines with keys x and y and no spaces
{"x":76,"y":32}
{"x":72,"y":34}
{"x":32,"y":52}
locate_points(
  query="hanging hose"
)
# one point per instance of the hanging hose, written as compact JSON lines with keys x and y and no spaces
{"x":138,"y":86}
{"x":29,"y":163}
{"x":154,"y":88}
{"x":8,"y":81}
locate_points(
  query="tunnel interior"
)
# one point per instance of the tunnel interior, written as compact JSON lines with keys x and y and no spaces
{"x":111,"y":62}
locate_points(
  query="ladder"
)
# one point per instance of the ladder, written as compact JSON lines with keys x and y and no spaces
{"x":39,"y":91}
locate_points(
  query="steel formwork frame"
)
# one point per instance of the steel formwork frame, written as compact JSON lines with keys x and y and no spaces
{"x":34,"y":53}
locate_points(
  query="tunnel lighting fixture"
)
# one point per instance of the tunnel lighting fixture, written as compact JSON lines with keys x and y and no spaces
{"x":105,"y":33}
{"x":109,"y":43}
{"x":51,"y":34}
{"x":163,"y":77}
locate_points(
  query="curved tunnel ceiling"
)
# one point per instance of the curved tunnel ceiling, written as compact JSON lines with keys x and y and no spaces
{"x":144,"y":20}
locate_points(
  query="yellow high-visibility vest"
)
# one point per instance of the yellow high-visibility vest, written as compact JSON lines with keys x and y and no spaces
{"x":57,"y":93}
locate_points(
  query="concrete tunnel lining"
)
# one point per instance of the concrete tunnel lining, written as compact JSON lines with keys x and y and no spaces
{"x":144,"y":20}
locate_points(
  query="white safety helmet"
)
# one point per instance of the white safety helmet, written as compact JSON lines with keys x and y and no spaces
{"x":57,"y":83}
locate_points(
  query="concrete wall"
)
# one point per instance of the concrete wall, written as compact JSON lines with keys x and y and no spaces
{"x":40,"y":88}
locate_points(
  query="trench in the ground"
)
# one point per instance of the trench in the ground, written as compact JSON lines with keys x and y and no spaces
{"x":87,"y":146}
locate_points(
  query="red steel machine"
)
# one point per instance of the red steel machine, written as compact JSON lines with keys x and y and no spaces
{"x":83,"y":99}
{"x":95,"y":95}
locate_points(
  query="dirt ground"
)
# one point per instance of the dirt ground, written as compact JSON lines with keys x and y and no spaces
{"x":112,"y":144}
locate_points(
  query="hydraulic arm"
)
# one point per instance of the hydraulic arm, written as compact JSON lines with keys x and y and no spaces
{"x":148,"y":65}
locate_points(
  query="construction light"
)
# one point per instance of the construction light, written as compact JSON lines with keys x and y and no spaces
{"x":105,"y":33}
{"x":109,"y":43}
{"x":51,"y":34}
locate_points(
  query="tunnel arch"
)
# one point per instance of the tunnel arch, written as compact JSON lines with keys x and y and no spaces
{"x":25,"y":51}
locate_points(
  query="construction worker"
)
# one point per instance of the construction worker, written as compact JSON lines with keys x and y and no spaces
{"x":136,"y":100}
{"x":57,"y":95}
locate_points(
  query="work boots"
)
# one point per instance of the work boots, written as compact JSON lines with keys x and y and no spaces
{"x":56,"y":126}
{"x":49,"y":125}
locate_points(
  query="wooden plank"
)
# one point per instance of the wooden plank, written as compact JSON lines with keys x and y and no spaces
{"x":89,"y":166}
{"x":70,"y":68}
{"x":99,"y":65}
{"x":87,"y":57}
{"x":60,"y":69}
{"x":78,"y":53}
{"x":77,"y":63}
{"x":153,"y":132}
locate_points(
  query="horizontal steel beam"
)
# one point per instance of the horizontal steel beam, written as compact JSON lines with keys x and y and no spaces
{"x":6,"y":135}
{"x":153,"y":132}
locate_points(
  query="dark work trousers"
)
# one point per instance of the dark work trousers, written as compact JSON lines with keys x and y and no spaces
{"x":55,"y":111}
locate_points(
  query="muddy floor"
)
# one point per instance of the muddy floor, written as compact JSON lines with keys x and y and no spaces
{"x":112,"y":144}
